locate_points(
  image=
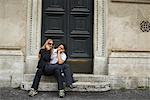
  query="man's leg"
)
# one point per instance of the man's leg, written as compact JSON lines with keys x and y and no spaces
{"x":68,"y":74}
{"x":59,"y":78}
{"x":52,"y":69}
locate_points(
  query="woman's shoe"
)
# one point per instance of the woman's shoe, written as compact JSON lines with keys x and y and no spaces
{"x":61,"y":93}
{"x":32,"y":92}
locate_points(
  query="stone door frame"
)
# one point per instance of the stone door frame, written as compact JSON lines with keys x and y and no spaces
{"x":33,"y":35}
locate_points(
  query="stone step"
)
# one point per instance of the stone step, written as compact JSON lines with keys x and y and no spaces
{"x":79,"y":77}
{"x":80,"y":86}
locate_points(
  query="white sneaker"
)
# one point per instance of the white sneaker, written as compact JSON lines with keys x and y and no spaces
{"x":32,"y":92}
{"x":61,"y":93}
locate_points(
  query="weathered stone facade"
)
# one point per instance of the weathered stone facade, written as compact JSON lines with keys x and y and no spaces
{"x":13,"y":20}
{"x":121,"y":49}
{"x":128,"y":42}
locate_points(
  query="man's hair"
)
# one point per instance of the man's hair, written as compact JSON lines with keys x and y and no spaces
{"x":65,"y":47}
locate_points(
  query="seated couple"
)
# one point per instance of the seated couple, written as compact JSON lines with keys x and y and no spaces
{"x":52,"y":62}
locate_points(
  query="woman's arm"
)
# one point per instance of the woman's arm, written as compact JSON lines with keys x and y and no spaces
{"x":39,"y":56}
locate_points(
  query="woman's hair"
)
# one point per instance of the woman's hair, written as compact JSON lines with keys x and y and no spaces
{"x":47,"y":41}
{"x":44,"y":46}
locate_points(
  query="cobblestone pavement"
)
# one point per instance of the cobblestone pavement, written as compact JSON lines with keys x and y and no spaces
{"x":18,"y":94}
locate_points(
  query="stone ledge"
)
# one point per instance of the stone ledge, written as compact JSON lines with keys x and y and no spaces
{"x":79,"y":77}
{"x":132,"y":1}
{"x":130,"y":60}
{"x":113,"y":82}
{"x":129,"y":55}
{"x":81,"y":86}
{"x":10,"y":52}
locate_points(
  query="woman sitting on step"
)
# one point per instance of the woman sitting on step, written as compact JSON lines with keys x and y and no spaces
{"x":52,"y":62}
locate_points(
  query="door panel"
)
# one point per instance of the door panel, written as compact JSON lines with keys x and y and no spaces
{"x":79,"y":47}
{"x":71,"y":22}
{"x":53,"y":20}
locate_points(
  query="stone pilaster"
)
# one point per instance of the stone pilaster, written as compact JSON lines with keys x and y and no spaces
{"x":33,"y":34}
{"x":100,"y":56}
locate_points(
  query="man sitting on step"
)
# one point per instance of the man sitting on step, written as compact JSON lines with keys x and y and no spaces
{"x":52,"y":62}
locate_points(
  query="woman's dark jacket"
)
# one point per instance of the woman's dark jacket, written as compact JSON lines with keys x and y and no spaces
{"x":45,"y":58}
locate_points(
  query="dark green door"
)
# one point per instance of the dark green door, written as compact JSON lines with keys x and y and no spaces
{"x":71,"y":22}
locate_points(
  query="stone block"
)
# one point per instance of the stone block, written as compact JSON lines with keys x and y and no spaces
{"x":129,"y":64}
{"x":5,"y":79}
{"x":117,"y":82}
{"x":11,"y":67}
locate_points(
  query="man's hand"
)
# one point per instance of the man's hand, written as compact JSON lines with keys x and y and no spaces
{"x":60,"y":51}
{"x":60,"y":60}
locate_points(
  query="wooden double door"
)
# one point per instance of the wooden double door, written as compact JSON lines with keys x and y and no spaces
{"x":70,"y":22}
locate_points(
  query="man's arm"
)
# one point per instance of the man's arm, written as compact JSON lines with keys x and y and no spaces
{"x":60,"y":60}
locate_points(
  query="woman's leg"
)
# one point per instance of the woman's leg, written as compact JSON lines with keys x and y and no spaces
{"x":37,"y":78}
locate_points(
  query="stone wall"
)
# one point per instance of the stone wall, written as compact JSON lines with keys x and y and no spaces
{"x":12,"y":23}
{"x":12,"y":46}
{"x":125,"y":26}
{"x":129,"y":37}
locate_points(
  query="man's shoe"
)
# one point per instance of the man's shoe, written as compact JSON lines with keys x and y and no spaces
{"x":70,"y":86}
{"x":61,"y":93}
{"x":74,"y":81}
{"x":32,"y":92}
